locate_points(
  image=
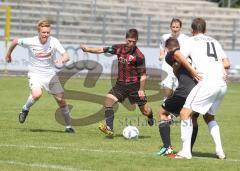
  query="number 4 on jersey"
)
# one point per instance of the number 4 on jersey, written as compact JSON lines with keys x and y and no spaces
{"x":211,"y":51}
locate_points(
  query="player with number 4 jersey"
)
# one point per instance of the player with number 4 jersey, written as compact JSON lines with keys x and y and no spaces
{"x":208,"y":57}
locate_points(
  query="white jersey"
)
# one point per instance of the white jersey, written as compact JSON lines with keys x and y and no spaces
{"x":41,"y":56}
{"x":207,"y":55}
{"x":183,"y":42}
{"x":171,"y":81}
{"x":182,"y":39}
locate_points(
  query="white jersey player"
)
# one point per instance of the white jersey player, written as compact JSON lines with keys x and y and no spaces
{"x":169,"y":81}
{"x":209,"y":59}
{"x":42,"y":57}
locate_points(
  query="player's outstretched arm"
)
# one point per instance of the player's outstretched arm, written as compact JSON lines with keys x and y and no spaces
{"x":91,"y":49}
{"x":184,"y":62}
{"x":8,"y":56}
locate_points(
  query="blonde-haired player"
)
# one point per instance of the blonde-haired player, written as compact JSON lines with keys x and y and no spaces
{"x":169,"y":81}
{"x":42,"y":59}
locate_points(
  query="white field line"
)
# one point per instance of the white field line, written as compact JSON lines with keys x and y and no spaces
{"x":102,"y":151}
{"x":39,"y":165}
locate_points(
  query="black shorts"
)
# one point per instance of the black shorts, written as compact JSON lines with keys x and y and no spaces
{"x":174,"y":104}
{"x":130,"y":91}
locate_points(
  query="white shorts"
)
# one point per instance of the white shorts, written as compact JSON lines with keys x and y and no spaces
{"x":170,"y":81}
{"x":50,"y":83}
{"x":205,"y":98}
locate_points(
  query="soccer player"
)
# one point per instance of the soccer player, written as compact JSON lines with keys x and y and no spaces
{"x":173,"y":104}
{"x":131,"y":79}
{"x":170,"y":83}
{"x":42,"y":52}
{"x":205,"y":98}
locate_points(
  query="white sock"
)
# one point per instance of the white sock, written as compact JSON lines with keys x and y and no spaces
{"x":186,"y":135}
{"x":29,"y":103}
{"x":66,"y":116}
{"x":215,"y":133}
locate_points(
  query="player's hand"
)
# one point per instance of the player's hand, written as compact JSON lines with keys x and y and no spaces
{"x":225,"y":77}
{"x":141,"y":94}
{"x":8,"y":58}
{"x":197,"y":76}
{"x":58,"y":62}
{"x":161,"y":58}
{"x":84,"y":49}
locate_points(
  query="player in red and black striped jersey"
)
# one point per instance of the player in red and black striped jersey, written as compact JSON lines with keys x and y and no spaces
{"x":131,"y":62}
{"x":131,"y":79}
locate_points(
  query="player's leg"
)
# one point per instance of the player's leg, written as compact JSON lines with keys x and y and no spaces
{"x":200,"y":100}
{"x":54,"y":87}
{"x":36,"y":92}
{"x":215,"y":133}
{"x":186,"y":133}
{"x":109,"y":112}
{"x":164,"y":122}
{"x":117,"y":93}
{"x":167,"y":92}
{"x":147,"y":111}
{"x":195,"y":129}
{"x":197,"y":101}
{"x":59,"y":97}
{"x":133,"y":96}
{"x":213,"y":125}
{"x":172,"y":104}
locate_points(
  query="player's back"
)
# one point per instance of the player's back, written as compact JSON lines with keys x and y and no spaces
{"x":207,"y":54}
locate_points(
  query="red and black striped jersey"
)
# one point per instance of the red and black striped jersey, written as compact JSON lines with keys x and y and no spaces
{"x":131,"y":65}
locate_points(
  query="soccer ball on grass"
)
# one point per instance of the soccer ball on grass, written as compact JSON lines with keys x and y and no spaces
{"x":130,"y":132}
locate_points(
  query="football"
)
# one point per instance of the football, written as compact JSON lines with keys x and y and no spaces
{"x":130,"y":132}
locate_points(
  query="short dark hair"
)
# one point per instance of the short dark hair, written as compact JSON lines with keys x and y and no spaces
{"x":198,"y":25}
{"x":132,"y":33}
{"x":176,"y":20}
{"x":172,"y":43}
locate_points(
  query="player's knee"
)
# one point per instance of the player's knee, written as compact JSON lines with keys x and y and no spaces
{"x":184,"y":114}
{"x":208,"y":118}
{"x":61,"y":102}
{"x":36,"y":95}
{"x":167,"y":92}
{"x":162,"y":115}
{"x":110,"y":100}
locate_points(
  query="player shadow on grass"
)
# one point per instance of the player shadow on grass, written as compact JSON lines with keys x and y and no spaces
{"x":44,"y":130}
{"x":139,"y":137}
{"x":205,"y":155}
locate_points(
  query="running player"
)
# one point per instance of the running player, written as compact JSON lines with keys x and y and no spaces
{"x":42,"y":52}
{"x":131,"y":79}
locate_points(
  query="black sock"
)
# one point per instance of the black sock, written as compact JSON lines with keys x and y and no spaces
{"x":194,"y":135}
{"x":164,"y":129}
{"x":109,"y":117}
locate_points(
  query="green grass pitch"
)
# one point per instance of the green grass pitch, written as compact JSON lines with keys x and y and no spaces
{"x":41,"y":144}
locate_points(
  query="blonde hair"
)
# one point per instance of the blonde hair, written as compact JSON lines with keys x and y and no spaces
{"x":43,"y":23}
